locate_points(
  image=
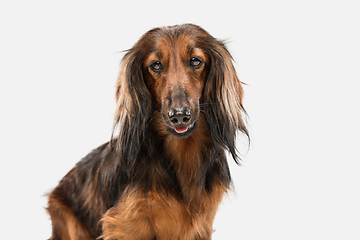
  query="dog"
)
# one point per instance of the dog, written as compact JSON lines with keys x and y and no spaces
{"x":164,"y":171}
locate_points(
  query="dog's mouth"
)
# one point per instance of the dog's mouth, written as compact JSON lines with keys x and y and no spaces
{"x":183,"y":131}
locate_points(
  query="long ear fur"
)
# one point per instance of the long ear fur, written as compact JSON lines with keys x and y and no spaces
{"x":133,"y":106}
{"x":223,"y":99}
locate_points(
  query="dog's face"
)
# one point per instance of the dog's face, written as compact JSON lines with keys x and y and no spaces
{"x":175,"y":73}
{"x":179,"y":79}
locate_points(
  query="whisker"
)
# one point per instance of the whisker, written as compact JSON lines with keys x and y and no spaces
{"x":154,"y":115}
{"x":203,"y":104}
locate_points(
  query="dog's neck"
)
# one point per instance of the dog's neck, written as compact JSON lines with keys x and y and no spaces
{"x":188,"y":152}
{"x":188,"y":155}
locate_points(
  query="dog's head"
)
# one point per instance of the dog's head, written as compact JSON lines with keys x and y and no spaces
{"x":175,"y":71}
{"x":181,"y":72}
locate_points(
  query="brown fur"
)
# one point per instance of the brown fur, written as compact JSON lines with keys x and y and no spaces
{"x":163,"y":176}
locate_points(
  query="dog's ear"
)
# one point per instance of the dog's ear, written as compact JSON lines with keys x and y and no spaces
{"x":133,"y":107}
{"x":223,"y":95}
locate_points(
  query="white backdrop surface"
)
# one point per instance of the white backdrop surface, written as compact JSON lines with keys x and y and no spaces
{"x":300,"y":59}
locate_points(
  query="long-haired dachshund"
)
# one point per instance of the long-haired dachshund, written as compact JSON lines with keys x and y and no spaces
{"x":164,"y":173}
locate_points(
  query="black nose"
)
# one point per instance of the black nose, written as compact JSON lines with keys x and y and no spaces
{"x":179,"y":115}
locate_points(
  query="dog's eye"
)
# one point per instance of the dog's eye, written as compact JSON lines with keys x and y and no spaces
{"x":156,"y":66}
{"x":195,"y":62}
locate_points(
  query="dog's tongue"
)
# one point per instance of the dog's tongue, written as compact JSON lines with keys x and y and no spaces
{"x":181,"y":130}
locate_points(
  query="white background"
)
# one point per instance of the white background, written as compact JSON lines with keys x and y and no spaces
{"x":299,"y":180}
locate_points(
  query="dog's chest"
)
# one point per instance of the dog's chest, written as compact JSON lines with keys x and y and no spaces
{"x":163,"y":217}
